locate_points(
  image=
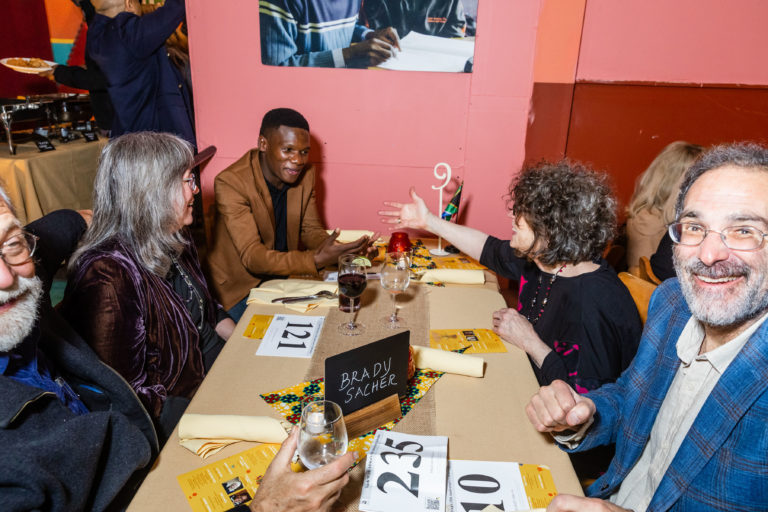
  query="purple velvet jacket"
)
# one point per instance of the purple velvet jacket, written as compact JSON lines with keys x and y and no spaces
{"x":136,"y":323}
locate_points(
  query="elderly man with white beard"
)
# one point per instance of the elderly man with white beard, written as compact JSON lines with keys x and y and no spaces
{"x":690,"y":415}
{"x":73,"y":434}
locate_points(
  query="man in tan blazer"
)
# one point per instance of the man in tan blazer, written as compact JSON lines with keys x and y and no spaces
{"x":267,"y":221}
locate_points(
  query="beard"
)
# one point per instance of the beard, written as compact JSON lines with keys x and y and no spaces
{"x":723,"y":308}
{"x":17,"y":322}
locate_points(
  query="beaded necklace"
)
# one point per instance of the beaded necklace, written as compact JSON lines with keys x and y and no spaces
{"x":193,"y":292}
{"x":546,"y":297}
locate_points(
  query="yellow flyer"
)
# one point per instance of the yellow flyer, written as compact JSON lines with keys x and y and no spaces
{"x":230,"y":482}
{"x":539,"y":484}
{"x":479,"y":341}
{"x":257,"y":326}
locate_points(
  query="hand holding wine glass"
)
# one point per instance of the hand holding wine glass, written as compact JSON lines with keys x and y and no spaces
{"x":352,"y":282}
{"x":395,"y":278}
{"x":322,"y":434}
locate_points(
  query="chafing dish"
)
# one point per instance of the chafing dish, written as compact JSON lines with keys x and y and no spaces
{"x":21,"y":112}
{"x":55,"y":111}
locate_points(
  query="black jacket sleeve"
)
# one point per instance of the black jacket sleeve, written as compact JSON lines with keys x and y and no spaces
{"x":58,"y":235}
{"x":80,"y":78}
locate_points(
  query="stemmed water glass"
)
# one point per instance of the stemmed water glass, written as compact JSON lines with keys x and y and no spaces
{"x":395,"y":277}
{"x":352,"y":282}
{"x":322,"y":434}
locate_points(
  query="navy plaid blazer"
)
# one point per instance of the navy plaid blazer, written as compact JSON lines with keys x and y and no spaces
{"x":722,"y":463}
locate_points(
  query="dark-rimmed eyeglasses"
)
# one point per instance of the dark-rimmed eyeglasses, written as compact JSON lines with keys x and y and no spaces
{"x":737,"y":238}
{"x":18,"y":249}
{"x":192,"y":182}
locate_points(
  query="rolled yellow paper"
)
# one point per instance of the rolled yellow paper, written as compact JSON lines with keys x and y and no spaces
{"x":262,"y":429}
{"x":450,"y":362}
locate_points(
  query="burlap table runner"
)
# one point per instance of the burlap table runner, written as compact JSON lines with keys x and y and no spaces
{"x":413,"y":307}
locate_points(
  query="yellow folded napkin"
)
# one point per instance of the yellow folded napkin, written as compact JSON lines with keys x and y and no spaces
{"x":453,"y":276}
{"x":293,"y":288}
{"x":206,"y":434}
{"x":450,"y":362}
{"x":350,"y":235}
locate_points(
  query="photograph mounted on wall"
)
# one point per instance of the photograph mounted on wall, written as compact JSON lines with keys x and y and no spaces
{"x":398,"y":35}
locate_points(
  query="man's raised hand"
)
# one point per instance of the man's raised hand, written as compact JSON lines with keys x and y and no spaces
{"x":558,"y":407}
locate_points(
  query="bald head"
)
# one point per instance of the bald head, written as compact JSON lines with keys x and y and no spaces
{"x":111,"y":8}
{"x":8,"y":222}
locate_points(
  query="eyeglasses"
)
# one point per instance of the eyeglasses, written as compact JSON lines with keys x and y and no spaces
{"x":192,"y":182}
{"x":18,"y":249}
{"x":738,"y":238}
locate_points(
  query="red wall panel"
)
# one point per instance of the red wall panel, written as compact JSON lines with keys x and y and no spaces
{"x":25,"y":34}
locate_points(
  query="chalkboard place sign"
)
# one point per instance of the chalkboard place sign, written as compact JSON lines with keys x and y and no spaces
{"x":90,"y":136}
{"x":44,"y":145}
{"x":367,"y":374}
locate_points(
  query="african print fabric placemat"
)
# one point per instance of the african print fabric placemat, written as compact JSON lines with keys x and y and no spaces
{"x":422,"y":259}
{"x":289,"y":402}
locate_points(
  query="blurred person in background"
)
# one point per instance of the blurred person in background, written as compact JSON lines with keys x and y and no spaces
{"x":89,"y":78}
{"x":148,"y":92}
{"x":653,"y":202}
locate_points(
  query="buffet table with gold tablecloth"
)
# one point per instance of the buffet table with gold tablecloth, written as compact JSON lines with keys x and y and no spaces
{"x":39,"y":183}
{"x":484,"y":418}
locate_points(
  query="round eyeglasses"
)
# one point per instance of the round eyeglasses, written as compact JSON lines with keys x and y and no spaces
{"x":738,"y":238}
{"x":192,"y":182}
{"x":18,"y":249}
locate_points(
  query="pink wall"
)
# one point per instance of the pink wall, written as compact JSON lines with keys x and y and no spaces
{"x":374,"y":132}
{"x":692,"y":41}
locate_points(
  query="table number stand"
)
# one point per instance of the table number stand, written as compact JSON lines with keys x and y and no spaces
{"x":447,"y":177}
{"x":372,"y":416}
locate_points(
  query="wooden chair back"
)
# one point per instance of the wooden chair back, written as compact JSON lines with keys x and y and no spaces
{"x":641,"y":291}
{"x":646,"y":272}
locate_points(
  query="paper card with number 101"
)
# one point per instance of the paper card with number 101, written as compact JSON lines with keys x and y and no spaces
{"x":291,"y":336}
{"x":474,"y":484}
{"x":405,"y":472}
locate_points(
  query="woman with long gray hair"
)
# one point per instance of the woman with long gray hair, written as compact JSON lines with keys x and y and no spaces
{"x":136,"y":292}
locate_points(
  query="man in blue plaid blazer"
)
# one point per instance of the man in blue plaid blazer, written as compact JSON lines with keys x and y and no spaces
{"x":690,"y":415}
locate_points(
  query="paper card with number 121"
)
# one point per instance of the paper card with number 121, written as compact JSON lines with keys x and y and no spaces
{"x":291,"y":336}
{"x":405,"y":472}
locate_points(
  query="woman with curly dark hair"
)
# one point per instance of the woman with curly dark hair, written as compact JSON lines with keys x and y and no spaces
{"x":575,"y":319}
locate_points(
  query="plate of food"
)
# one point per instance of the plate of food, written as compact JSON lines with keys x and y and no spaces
{"x":31,"y":65}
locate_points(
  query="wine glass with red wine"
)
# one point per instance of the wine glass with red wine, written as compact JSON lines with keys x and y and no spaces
{"x":352,"y":281}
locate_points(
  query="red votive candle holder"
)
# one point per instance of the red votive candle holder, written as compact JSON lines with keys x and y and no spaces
{"x":399,"y":242}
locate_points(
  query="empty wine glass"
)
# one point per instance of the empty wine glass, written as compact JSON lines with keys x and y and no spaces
{"x":352,"y":282}
{"x":395,"y":277}
{"x":322,"y":434}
